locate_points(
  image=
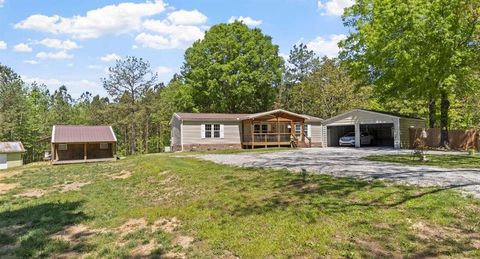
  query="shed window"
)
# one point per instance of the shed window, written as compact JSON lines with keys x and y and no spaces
{"x":103,"y":145}
{"x":62,"y":147}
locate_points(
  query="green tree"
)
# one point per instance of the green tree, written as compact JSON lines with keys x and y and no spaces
{"x":302,"y":62}
{"x":420,"y":49}
{"x":128,"y":82}
{"x":328,"y":91}
{"x":233,"y":69}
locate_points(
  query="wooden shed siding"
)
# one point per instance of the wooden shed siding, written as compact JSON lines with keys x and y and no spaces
{"x":14,"y":160}
{"x":176,"y":131}
{"x":405,"y":125}
{"x":192,"y":133}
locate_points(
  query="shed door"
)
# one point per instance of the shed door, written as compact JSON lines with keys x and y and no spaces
{"x":3,"y":161}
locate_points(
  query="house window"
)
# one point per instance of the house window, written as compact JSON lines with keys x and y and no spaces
{"x":216,"y":130}
{"x":62,"y":147}
{"x":103,"y":145}
{"x":208,"y":130}
{"x":260,"y":128}
{"x":212,"y":130}
{"x":298,"y":130}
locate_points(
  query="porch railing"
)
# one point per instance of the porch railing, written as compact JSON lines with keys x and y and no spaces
{"x":268,"y":137}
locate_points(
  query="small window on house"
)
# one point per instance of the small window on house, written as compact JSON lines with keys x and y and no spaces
{"x":103,"y":145}
{"x":264,"y":128}
{"x":256,"y":128}
{"x":62,"y":147}
{"x":298,"y":130}
{"x":216,"y":130}
{"x":208,"y":130}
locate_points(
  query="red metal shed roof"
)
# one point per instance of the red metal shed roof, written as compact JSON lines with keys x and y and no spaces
{"x":11,"y":147}
{"x":82,"y":134}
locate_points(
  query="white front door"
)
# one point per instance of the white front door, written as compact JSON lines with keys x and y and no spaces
{"x":3,"y":161}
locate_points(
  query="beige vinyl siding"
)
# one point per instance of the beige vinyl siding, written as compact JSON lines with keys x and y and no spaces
{"x":363,"y":117}
{"x":316,"y":132}
{"x":14,"y":160}
{"x":192,"y":131}
{"x":176,"y":131}
{"x":405,"y":125}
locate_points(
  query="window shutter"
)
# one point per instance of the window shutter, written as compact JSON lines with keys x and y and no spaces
{"x":222,"y":131}
{"x":203,"y":131}
{"x":309,"y":130}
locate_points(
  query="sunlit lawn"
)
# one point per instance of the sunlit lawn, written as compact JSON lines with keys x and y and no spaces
{"x":448,"y":161}
{"x":180,"y":206}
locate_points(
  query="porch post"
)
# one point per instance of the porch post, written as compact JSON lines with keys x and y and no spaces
{"x":252,"y":131}
{"x":85,"y":151}
{"x":303,"y":131}
{"x":278,"y":132}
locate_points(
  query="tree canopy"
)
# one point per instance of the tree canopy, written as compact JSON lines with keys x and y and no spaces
{"x":233,"y":69}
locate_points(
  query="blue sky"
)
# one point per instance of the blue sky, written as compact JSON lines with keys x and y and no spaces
{"x":73,"y":42}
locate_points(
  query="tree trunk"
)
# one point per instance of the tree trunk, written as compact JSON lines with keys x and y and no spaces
{"x":147,"y":128}
{"x":432,"y":112}
{"x":444,"y":108}
{"x":133,"y":146}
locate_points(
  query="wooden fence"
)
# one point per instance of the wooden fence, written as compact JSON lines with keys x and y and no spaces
{"x":459,"y":139}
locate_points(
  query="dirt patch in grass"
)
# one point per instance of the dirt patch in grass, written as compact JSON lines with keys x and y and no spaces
{"x":5,"y":175}
{"x":429,"y":232}
{"x":124,"y":174}
{"x":145,"y":250}
{"x":75,"y":186}
{"x":174,"y":255}
{"x":5,"y":187}
{"x":132,"y":225}
{"x":167,"y":225}
{"x":183,"y":241}
{"x":31,"y":193}
{"x":75,"y":233}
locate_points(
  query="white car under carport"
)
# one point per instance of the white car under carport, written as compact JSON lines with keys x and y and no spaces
{"x":387,"y":129}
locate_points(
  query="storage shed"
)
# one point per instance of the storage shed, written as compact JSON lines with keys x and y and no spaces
{"x":11,"y":154}
{"x":74,"y":144}
{"x":386,"y":129}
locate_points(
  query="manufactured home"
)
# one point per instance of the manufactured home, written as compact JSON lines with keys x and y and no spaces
{"x":11,"y":154}
{"x":277,"y":128}
{"x":81,"y":144}
{"x":281,"y":128}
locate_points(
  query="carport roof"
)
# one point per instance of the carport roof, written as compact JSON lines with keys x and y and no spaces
{"x":390,"y":114}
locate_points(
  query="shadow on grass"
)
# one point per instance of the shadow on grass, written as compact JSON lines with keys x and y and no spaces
{"x":26,"y":232}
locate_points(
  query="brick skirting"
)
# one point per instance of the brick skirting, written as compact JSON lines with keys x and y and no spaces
{"x":206,"y":147}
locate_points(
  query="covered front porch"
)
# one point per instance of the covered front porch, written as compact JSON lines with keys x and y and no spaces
{"x":278,"y":128}
{"x":68,"y":153}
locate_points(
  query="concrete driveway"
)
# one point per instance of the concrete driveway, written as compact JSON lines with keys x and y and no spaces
{"x":348,"y":162}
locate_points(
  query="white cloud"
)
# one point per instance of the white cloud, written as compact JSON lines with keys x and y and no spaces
{"x":168,"y":35}
{"x":334,"y":7}
{"x":95,"y":67}
{"x":183,"y":17}
{"x":59,"y":44}
{"x":246,"y":20}
{"x":110,"y":57}
{"x":326,"y":46}
{"x":70,"y":65}
{"x":75,"y":87}
{"x":3,"y":45}
{"x":31,"y":62}
{"x":2,"y":2}
{"x":164,"y":70}
{"x":22,"y":47}
{"x":54,"y":55}
{"x":110,"y":19}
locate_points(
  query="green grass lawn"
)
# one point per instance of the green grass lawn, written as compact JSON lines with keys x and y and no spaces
{"x":162,"y":205}
{"x":448,"y":161}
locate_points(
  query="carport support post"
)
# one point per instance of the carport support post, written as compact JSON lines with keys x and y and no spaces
{"x":357,"y":135}
{"x":85,"y":151}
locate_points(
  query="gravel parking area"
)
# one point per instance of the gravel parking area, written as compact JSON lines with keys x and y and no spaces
{"x":348,"y":162}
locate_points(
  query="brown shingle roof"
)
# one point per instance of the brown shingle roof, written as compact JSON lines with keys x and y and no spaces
{"x":211,"y":116}
{"x":233,"y":116}
{"x":82,"y":134}
{"x":11,"y":147}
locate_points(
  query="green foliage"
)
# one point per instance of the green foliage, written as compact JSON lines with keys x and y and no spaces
{"x":417,"y":49}
{"x":233,"y":69}
{"x":245,"y":212}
